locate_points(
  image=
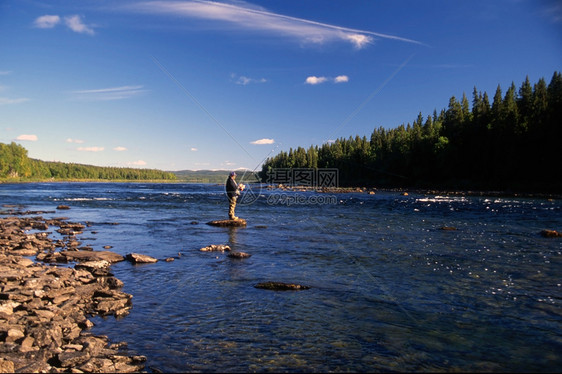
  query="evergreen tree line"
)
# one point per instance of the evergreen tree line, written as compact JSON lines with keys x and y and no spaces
{"x":511,"y":144}
{"x":16,"y":165}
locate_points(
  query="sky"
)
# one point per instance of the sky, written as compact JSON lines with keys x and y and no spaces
{"x":195,"y":84}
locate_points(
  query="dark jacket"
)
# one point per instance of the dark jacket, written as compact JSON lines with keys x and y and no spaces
{"x":231,"y":188}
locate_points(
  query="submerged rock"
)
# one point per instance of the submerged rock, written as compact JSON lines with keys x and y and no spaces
{"x":236,"y":254}
{"x":228,"y":222}
{"x":280,"y":286}
{"x":551,"y":234}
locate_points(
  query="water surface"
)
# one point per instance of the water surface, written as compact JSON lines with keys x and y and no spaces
{"x":390,"y":289}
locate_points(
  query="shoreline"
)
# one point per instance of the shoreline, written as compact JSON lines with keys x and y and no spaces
{"x":422,"y":191}
{"x":44,"y":307}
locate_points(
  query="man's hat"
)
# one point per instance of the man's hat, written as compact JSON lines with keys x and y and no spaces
{"x":232,"y":174}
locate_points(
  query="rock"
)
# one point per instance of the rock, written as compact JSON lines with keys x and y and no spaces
{"x":136,"y":258}
{"x":108,"y":256}
{"x":215,"y":248}
{"x":235,"y":254}
{"x":6,"y":366}
{"x":44,"y":308}
{"x":63,"y":207}
{"x":551,"y":234}
{"x":280,"y":286}
{"x":448,"y":228}
{"x":228,"y":222}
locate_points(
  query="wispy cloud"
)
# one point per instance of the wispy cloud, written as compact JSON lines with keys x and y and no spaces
{"x":263,"y":141}
{"x":113,"y":93}
{"x":313,"y":80}
{"x":8,"y":100}
{"x":28,"y":138}
{"x":5,"y":72}
{"x":73,"y":22}
{"x":247,"y":16}
{"x":46,"y":21}
{"x":77,"y":141}
{"x":193,"y":149}
{"x":90,"y":149}
{"x":120,"y":149}
{"x":553,"y":10}
{"x":243,"y":80}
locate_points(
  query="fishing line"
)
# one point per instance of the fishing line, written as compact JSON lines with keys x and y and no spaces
{"x":370,"y":97}
{"x":190,"y":95}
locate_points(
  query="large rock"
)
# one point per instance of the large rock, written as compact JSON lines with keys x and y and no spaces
{"x":136,"y":258}
{"x":228,"y":222}
{"x":81,"y":256}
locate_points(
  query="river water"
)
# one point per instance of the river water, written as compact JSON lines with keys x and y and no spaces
{"x":390,"y":289}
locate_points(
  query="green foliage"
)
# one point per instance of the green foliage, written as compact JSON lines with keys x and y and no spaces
{"x":16,"y":165}
{"x":514,"y":143}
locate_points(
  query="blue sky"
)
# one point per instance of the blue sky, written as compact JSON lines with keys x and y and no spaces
{"x":197,"y":84}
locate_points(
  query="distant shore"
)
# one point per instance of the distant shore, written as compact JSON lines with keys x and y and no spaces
{"x":421,"y":191}
{"x":359,"y":189}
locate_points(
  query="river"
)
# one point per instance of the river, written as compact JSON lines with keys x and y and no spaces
{"x":391,"y":289}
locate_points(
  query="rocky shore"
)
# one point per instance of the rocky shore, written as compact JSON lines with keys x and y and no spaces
{"x":45,"y":304}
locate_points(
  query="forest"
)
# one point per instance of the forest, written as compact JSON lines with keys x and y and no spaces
{"x":510,"y":144}
{"x":15,"y":165}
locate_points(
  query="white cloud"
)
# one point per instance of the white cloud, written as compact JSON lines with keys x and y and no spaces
{"x":137,"y":163}
{"x":77,"y":141}
{"x":341,"y":79}
{"x":193,"y":149}
{"x":5,"y":72}
{"x":112,"y":93}
{"x":29,"y":138}
{"x":247,"y":16}
{"x":75,"y":24}
{"x":46,"y":21}
{"x":315,"y":80}
{"x":119,"y":149}
{"x":263,"y":141}
{"x":90,"y":149}
{"x":312,"y":80}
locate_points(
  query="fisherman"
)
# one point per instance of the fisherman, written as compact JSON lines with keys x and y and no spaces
{"x":232,"y":191}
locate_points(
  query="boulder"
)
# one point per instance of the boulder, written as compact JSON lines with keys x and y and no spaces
{"x":136,"y":258}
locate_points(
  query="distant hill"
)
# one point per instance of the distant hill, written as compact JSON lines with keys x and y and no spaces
{"x":213,"y":176}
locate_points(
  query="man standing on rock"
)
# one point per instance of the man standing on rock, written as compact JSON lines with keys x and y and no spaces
{"x":232,"y":191}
